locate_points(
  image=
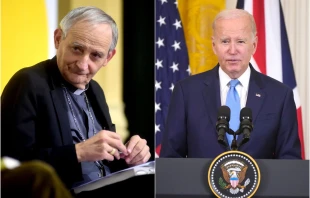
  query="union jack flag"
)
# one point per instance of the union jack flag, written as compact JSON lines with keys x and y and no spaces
{"x":273,"y":56}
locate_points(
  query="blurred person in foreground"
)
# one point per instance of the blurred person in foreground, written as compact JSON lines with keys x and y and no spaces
{"x":35,"y":179}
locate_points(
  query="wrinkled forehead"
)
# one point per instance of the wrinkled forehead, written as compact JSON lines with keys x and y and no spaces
{"x":238,"y":22}
{"x":96,"y":30}
{"x":234,"y":26}
{"x":97,"y":36}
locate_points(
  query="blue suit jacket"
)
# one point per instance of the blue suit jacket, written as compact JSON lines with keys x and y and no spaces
{"x":190,"y":126}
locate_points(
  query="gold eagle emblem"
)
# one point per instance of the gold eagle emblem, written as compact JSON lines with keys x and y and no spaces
{"x":234,"y":175}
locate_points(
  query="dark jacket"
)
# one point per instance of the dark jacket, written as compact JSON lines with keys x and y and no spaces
{"x":35,"y":124}
{"x":190,"y":130}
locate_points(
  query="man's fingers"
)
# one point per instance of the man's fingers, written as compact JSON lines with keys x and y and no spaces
{"x":111,"y":134}
{"x":139,"y":156}
{"x":137,"y":149}
{"x":143,"y":160}
{"x":114,"y":152}
{"x":108,"y":157}
{"x":114,"y":140}
{"x":111,"y":151}
{"x":132,"y":143}
{"x":119,"y":146}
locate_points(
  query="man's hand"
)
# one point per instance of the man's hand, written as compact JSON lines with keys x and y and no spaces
{"x":105,"y":145}
{"x":138,"y":151}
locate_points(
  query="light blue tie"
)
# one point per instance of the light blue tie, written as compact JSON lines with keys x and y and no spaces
{"x":233,"y":102}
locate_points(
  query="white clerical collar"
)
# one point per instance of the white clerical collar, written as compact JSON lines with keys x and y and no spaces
{"x":76,"y":91}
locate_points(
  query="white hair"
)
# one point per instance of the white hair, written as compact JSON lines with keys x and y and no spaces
{"x":91,"y":15}
{"x":235,"y":13}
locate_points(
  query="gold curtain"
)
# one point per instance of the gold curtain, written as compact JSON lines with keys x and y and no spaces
{"x":24,"y":36}
{"x":197,"y":17}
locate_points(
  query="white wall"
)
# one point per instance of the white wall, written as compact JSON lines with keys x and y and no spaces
{"x":297,"y":18}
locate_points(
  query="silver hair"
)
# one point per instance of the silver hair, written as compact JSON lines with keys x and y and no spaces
{"x":91,"y":15}
{"x":235,"y":13}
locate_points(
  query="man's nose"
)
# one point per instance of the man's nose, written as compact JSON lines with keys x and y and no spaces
{"x":82,"y":63}
{"x":232,"y":48}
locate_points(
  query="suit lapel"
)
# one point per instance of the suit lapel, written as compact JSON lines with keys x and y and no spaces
{"x":59,"y":102}
{"x":256,"y":95}
{"x":211,"y":96}
{"x":100,"y":107}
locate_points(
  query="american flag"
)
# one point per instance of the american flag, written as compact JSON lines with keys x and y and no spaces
{"x":172,"y":63}
{"x":273,"y":56}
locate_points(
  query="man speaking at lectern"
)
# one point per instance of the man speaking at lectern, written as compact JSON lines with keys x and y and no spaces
{"x":190,"y":129}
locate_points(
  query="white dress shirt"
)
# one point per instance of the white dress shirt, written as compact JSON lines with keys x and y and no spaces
{"x":242,"y":88}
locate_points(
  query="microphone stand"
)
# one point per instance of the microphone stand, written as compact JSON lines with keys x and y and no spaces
{"x":234,"y":145}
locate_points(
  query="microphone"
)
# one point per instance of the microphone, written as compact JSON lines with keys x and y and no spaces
{"x":222,"y":124}
{"x":246,"y":125}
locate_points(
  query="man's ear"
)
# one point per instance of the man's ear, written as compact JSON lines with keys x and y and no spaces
{"x":213,"y":44}
{"x":255,"y":44}
{"x":109,"y":57}
{"x":57,"y":37}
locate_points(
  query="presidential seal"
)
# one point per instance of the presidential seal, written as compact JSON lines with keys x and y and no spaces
{"x":234,"y":174}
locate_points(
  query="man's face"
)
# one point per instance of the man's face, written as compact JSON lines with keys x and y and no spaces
{"x":83,"y":52}
{"x":234,"y":44}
